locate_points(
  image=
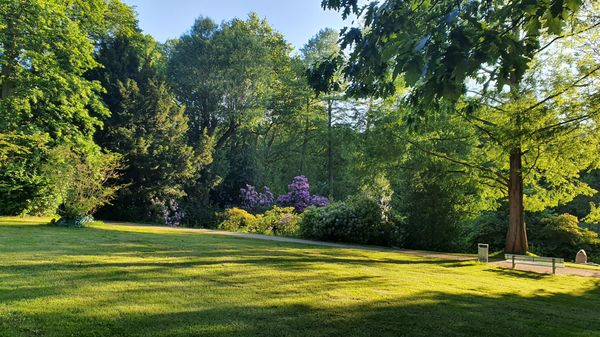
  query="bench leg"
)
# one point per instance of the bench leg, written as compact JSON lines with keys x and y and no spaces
{"x":513,"y":262}
{"x":553,"y":266}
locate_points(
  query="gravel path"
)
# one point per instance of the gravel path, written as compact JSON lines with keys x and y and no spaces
{"x":420,"y":253}
{"x":548,"y":270}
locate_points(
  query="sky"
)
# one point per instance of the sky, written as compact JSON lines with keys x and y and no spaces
{"x":297,"y":20}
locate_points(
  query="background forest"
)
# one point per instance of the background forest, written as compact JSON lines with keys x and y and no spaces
{"x":229,"y":127}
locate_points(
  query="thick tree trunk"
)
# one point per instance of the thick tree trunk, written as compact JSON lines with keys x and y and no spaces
{"x":516,"y":238}
{"x":330,"y":147}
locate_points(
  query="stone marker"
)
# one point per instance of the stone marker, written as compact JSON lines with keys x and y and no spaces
{"x":581,"y":257}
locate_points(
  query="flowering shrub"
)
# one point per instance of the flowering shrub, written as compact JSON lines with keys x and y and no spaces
{"x":253,"y":201}
{"x":237,"y":220}
{"x":357,"y":220}
{"x":172,"y":214}
{"x":168,"y":212}
{"x":278,"y":221}
{"x":299,"y":197}
{"x":319,"y":201}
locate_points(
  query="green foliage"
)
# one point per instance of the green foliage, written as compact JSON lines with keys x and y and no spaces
{"x":24,"y":189}
{"x":360,"y":219}
{"x":242,"y":65}
{"x":84,"y":181}
{"x":237,"y":220}
{"x":152,"y":136}
{"x":47,"y":47}
{"x":147,"y":126}
{"x":489,"y":227}
{"x":228,"y":104}
{"x":282,"y":221}
{"x":435,"y":46}
{"x":432,"y":212}
{"x":323,"y":46}
{"x":561,"y":236}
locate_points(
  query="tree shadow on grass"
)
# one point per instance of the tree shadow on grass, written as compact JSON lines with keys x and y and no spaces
{"x":424,"y":314}
{"x":123,"y":298}
{"x":518,"y":273}
{"x":69,"y":242}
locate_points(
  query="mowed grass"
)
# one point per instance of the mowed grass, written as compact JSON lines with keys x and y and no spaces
{"x":125,"y":281}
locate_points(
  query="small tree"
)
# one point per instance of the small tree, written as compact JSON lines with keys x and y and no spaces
{"x":83,"y":182}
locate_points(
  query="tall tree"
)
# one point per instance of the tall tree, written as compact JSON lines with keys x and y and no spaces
{"x":225,"y":75}
{"x":548,"y":130}
{"x":438,"y":47}
{"x":46,"y":48}
{"x":321,"y":56}
{"x":152,"y":136}
{"x":147,"y":126}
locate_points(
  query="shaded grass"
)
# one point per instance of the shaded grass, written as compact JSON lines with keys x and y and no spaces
{"x":124,"y":281}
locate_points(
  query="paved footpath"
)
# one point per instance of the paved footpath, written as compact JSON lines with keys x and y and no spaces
{"x":420,"y":253}
{"x":548,"y":270}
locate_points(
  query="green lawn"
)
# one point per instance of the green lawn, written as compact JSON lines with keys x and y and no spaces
{"x":115,"y":281}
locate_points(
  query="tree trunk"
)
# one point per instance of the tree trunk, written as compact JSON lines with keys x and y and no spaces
{"x":330,"y":147}
{"x":516,"y":238}
{"x":305,"y":139}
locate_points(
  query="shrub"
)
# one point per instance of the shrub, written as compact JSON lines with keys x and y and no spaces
{"x":254,"y":201}
{"x":83,"y":181}
{"x":488,"y":227}
{"x":594,"y":252}
{"x":561,"y":236}
{"x":281,"y":221}
{"x":359,"y":220}
{"x":299,"y":197}
{"x":24,"y":186}
{"x":237,"y":220}
{"x":277,"y":221}
{"x":198,"y":213}
{"x":170,"y":214}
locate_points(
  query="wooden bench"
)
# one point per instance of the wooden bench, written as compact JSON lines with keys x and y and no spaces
{"x":554,"y":262}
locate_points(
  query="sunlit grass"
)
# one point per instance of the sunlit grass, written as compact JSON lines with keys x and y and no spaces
{"x":582,"y":266}
{"x":112,"y":280}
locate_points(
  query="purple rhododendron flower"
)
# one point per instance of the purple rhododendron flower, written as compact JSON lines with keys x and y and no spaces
{"x":252,"y":199}
{"x":319,"y":201}
{"x":172,"y":214}
{"x":299,"y":196}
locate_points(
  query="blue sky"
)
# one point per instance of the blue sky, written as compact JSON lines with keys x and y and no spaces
{"x":297,"y":20}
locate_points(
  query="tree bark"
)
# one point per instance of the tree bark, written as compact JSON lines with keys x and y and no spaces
{"x":305,"y":139}
{"x":330,"y":147}
{"x":516,"y":238}
{"x":230,"y":132}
